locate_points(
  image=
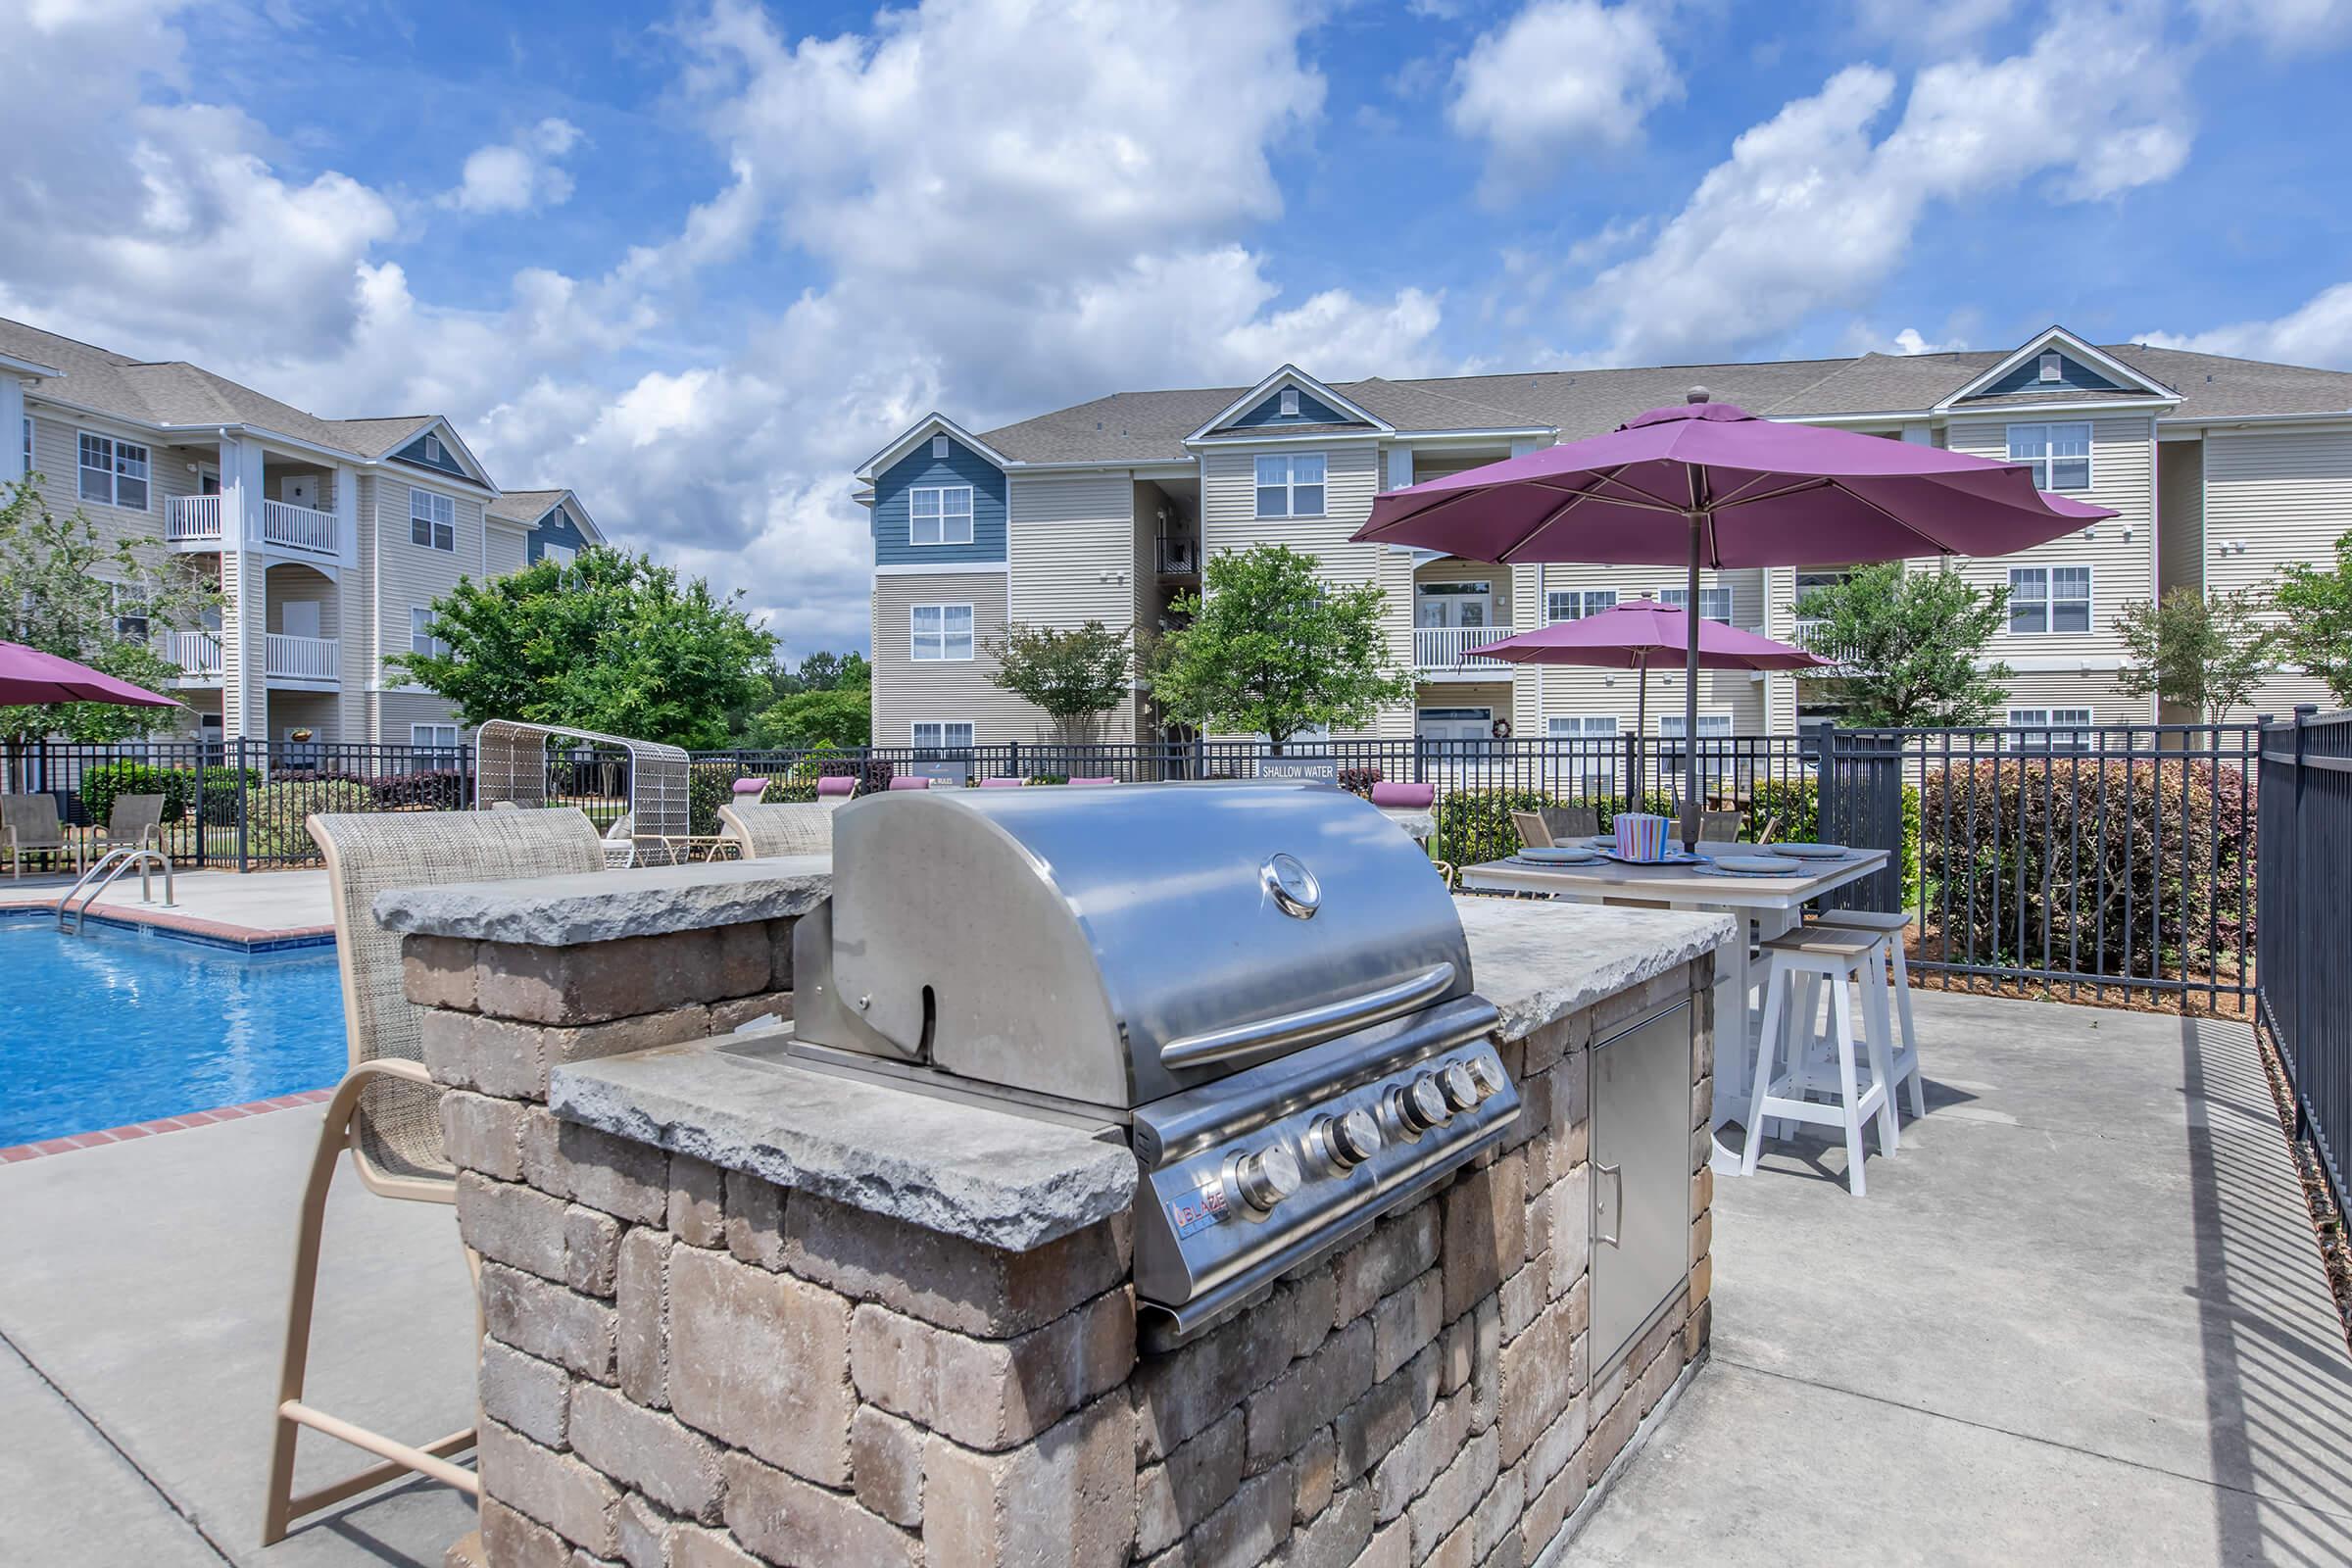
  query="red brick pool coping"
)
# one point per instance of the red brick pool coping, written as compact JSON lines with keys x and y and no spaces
{"x":19,"y":1153}
{"x":192,"y":926}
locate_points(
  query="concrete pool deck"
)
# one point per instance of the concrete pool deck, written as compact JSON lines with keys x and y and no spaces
{"x":249,"y":906}
{"x":2080,"y":1318}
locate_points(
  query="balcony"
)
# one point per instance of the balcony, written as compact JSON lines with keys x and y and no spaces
{"x":1446,"y":650}
{"x":197,"y":522}
{"x":294,"y":660}
{"x":1179,"y":558}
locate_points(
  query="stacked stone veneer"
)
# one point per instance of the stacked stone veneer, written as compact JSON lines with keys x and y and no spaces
{"x":695,"y":1368}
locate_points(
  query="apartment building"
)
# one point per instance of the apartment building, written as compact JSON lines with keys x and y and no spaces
{"x":2220,"y":471}
{"x":330,"y":538}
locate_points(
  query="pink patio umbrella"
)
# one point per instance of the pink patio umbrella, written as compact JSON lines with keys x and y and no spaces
{"x":1629,"y":635}
{"x":28,"y":675}
{"x":1710,"y":485}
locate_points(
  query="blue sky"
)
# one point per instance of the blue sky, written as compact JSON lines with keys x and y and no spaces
{"x":697,"y":263}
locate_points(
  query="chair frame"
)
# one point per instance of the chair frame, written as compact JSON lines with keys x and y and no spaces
{"x":65,"y":842}
{"x":511,"y":764}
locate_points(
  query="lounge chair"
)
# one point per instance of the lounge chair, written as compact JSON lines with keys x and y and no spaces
{"x":1092,"y":780}
{"x":620,"y":842}
{"x":387,"y":1111}
{"x":752,"y":787}
{"x":764,"y":831}
{"x":1003,"y":783}
{"x":135,"y":821}
{"x":909,"y":781}
{"x":29,"y":825}
{"x":836,"y":788}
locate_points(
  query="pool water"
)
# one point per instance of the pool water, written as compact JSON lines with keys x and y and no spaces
{"x":119,"y":1026}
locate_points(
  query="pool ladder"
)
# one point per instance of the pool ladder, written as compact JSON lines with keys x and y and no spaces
{"x":101,"y":876}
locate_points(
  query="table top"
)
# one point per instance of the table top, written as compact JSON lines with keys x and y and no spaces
{"x":1679,"y":884}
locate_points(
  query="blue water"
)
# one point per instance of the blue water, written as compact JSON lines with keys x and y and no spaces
{"x":119,"y":1026}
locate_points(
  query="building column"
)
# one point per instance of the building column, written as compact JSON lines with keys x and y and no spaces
{"x":12,"y":429}
{"x":352,"y":617}
{"x":244,"y":579}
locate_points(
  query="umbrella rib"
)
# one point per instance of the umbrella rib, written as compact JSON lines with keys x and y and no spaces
{"x":1736,"y":499}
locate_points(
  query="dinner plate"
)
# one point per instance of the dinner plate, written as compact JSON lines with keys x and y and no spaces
{"x":1810,"y":851}
{"x":1560,"y":855}
{"x":1750,"y":866}
{"x":1602,"y":841}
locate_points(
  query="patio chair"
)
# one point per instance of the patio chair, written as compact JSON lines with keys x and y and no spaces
{"x":1715,"y":827}
{"x":1569,"y":823}
{"x":31,"y":827}
{"x":134,"y":821}
{"x":764,"y":831}
{"x":387,"y":1111}
{"x":1534,"y":832}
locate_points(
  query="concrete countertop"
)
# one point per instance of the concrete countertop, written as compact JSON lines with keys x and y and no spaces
{"x":645,"y":901}
{"x":1540,"y":960}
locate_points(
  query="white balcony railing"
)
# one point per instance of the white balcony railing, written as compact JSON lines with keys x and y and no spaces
{"x":189,"y":518}
{"x":198,"y":653}
{"x":1447,"y":647}
{"x":300,"y":658}
{"x":294,"y":528}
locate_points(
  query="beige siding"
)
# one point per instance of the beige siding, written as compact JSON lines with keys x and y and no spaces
{"x":950,"y":691}
{"x":2181,"y":515}
{"x":2123,"y":476}
{"x":2061,"y":689}
{"x":397,"y":710}
{"x":1143,"y":604}
{"x":1073,"y":551}
{"x":56,"y":455}
{"x":508,"y":552}
{"x":2287,"y":497}
{"x":411,"y":574}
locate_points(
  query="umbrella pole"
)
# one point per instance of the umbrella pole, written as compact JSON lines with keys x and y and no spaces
{"x":1690,"y":812}
{"x":1633,"y":795}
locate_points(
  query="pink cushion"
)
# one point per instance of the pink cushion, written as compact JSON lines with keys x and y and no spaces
{"x":1106,"y":778}
{"x":834,"y":786}
{"x":1003,"y":783}
{"x":908,"y":781}
{"x":1409,"y":797}
{"x":750,"y":786}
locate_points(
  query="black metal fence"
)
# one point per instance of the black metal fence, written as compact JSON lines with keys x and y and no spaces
{"x":2305,"y":892}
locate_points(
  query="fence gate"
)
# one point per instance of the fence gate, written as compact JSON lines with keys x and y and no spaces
{"x":1861,"y":773}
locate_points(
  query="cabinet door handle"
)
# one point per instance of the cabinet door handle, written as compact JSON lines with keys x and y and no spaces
{"x":1616,"y":1176}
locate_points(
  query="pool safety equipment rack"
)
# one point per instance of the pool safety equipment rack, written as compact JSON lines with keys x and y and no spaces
{"x":101,"y":876}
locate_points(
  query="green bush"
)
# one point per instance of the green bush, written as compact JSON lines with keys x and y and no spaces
{"x":224,"y":788}
{"x":278,"y":821}
{"x":99,"y":785}
{"x":1475,"y":825}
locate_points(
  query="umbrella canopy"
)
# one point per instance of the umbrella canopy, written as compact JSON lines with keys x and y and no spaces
{"x":28,"y":675}
{"x":1710,"y":485}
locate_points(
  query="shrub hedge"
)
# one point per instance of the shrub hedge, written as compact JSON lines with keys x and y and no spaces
{"x":176,"y":784}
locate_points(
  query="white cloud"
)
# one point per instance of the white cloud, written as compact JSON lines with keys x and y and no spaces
{"x":1932,"y":28}
{"x":2284,"y":27}
{"x":2318,"y":332}
{"x":1812,"y":211}
{"x":520,"y":175}
{"x":1559,"y":77}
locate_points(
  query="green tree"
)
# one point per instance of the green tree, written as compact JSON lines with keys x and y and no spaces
{"x":840,"y":716}
{"x":1076,"y":675}
{"x":2203,"y":651}
{"x":2315,"y":634}
{"x":817,"y":673}
{"x":1270,"y":648}
{"x":99,"y":603}
{"x":1906,"y":647}
{"x":607,"y":642}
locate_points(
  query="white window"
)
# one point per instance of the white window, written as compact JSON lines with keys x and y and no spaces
{"x":436,"y":745}
{"x":937,"y":733}
{"x":1290,"y":486}
{"x":432,"y":520}
{"x":1714,"y":603}
{"x":2049,"y":599}
{"x":2058,"y":455}
{"x":939,"y":448}
{"x":1710,"y":725}
{"x":2052,"y":369}
{"x":561,"y":554}
{"x":1585,"y":727}
{"x":113,"y":472}
{"x":421,"y":634}
{"x":1575,"y":604}
{"x":939,"y":514}
{"x":131,"y":611}
{"x":938,"y":632}
{"x":1290,"y":401}
{"x":432,"y":449}
{"x":2042,"y":729}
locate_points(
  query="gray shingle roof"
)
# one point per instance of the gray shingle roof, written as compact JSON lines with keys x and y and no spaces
{"x":173,"y":392}
{"x":526,"y":507}
{"x":1151,"y":426}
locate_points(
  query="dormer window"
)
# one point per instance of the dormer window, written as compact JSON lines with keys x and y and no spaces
{"x":2053,"y":368}
{"x":1289,"y":403}
{"x":939,"y":448}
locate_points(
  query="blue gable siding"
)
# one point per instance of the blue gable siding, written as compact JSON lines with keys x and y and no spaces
{"x":1311,"y":410}
{"x":962,"y":466}
{"x":558,"y":528}
{"x":2071,"y":378}
{"x":413,"y":452}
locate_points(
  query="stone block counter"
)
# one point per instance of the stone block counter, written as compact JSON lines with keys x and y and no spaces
{"x":741,"y":1311}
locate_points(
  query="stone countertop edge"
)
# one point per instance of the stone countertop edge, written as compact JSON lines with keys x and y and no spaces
{"x":1540,"y":960}
{"x":988,"y":1176}
{"x":645,"y":901}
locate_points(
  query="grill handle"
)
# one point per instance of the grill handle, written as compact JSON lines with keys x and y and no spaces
{"x":1310,"y":1025}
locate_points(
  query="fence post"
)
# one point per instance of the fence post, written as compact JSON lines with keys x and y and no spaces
{"x":2300,"y":923}
{"x":197,"y":804}
{"x":244,"y":807}
{"x":1420,"y":759}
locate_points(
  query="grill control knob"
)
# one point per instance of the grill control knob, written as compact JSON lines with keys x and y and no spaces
{"x":1487,"y":1075}
{"x":1351,"y":1139}
{"x":1461,"y":1091}
{"x":1268,"y":1176}
{"x":1421,"y":1104}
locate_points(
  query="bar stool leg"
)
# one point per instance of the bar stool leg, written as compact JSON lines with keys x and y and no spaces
{"x":1776,"y":1005}
{"x":1842,"y":1004}
{"x":1902,"y":1002}
{"x":1877,"y":1033}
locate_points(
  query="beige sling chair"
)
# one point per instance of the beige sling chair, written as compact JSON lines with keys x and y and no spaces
{"x":792,"y":827}
{"x":387,"y":1111}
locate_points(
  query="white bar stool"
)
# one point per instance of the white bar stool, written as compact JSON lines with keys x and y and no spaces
{"x":1905,"y":1047}
{"x":1839,"y":958}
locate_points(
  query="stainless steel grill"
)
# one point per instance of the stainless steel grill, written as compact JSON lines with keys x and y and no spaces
{"x":1262,"y":988}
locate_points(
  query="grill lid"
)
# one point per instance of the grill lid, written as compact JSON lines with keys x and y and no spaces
{"x":1115,"y":946}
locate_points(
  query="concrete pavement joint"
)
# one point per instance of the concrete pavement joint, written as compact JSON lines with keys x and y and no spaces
{"x":195,"y":1527}
{"x":2266,"y":1498}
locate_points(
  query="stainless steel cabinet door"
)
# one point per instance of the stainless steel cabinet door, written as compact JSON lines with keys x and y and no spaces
{"x":1640,"y":1177}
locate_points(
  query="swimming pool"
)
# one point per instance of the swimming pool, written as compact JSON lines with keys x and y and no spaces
{"x":124,"y":1025}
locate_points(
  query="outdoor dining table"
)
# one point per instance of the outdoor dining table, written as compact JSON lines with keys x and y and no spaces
{"x":1774,"y":903}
